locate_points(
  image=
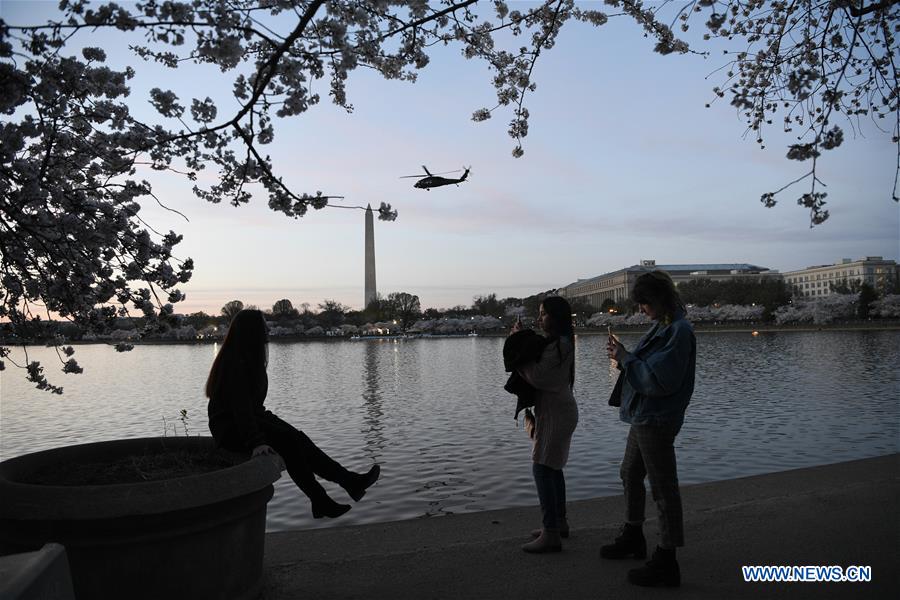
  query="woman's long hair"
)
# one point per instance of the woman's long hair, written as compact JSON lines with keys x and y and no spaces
{"x":560,"y":313}
{"x":658,"y":290}
{"x":245,"y":348}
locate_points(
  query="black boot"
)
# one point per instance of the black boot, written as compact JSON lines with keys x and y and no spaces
{"x":630,"y":542}
{"x":326,"y":507}
{"x":357,"y":483}
{"x":661,"y":569}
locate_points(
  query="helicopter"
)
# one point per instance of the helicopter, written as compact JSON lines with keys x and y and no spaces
{"x":430,"y":181}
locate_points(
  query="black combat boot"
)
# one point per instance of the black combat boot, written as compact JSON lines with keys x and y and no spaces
{"x":661,"y":570}
{"x":630,"y":542}
{"x":326,"y":507}
{"x":356,"y":484}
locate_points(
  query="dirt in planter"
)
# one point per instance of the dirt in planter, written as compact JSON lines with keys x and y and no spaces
{"x":136,"y":468}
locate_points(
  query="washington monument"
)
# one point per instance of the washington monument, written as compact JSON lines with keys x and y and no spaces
{"x":371,"y":291}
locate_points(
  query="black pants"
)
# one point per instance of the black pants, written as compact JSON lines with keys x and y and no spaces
{"x":551,"y":488}
{"x":303,"y":459}
{"x":650,"y":453}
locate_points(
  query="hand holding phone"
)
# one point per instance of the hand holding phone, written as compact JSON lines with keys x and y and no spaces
{"x":612,"y":343}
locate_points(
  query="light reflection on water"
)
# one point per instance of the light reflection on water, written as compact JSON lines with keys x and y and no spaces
{"x":434,"y":414}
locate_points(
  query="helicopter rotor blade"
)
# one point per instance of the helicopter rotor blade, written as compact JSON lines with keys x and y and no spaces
{"x":430,"y":174}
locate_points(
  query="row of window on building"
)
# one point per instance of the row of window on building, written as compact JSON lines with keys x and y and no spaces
{"x":838,"y":275}
{"x":823,"y":288}
{"x":823,"y":283}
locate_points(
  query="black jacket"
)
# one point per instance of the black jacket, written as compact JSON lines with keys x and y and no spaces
{"x":235,"y":408}
{"x":521,"y":348}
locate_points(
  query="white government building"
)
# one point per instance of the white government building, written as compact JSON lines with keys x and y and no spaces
{"x":818,"y":280}
{"x":616,"y":286}
{"x":808,"y":282}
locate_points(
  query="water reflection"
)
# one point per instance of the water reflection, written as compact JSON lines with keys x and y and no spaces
{"x":373,"y":429}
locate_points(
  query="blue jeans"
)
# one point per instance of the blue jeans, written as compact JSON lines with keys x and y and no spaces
{"x":551,"y":489}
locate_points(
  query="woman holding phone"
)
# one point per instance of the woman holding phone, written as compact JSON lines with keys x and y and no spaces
{"x":653,"y":392}
{"x":556,"y":415}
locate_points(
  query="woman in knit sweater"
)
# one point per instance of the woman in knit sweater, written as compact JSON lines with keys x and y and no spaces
{"x":556,"y":415}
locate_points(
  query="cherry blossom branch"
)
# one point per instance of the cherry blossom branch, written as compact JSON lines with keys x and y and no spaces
{"x":860,"y":12}
{"x":75,"y":27}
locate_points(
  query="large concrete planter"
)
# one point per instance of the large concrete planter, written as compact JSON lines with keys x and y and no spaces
{"x":199,"y":536}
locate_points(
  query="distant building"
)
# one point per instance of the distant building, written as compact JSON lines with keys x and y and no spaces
{"x":819,"y":280}
{"x":616,"y":286}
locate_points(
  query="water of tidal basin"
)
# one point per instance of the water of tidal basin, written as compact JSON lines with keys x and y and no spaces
{"x":433,"y":413}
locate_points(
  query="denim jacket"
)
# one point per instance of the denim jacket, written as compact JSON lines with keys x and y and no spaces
{"x":658,"y":375}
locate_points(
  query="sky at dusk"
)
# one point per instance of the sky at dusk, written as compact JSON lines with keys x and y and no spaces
{"x":622,"y":162}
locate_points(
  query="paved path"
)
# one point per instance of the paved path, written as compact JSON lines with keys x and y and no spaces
{"x":843,"y":514}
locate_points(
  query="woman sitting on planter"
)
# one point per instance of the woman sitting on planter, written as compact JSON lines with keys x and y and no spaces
{"x":236,"y":389}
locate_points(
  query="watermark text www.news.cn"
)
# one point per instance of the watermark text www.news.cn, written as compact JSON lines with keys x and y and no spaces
{"x":808,"y":573}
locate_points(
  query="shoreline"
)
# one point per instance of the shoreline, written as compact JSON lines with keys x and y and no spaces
{"x":838,"y":514}
{"x":698,"y":328}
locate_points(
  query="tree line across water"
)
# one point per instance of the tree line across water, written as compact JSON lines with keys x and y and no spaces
{"x":398,"y":311}
{"x":767,"y":300}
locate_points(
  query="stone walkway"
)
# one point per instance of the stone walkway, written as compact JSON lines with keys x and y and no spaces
{"x":843,"y":514}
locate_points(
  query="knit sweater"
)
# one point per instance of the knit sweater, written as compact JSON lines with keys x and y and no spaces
{"x":556,"y":412}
